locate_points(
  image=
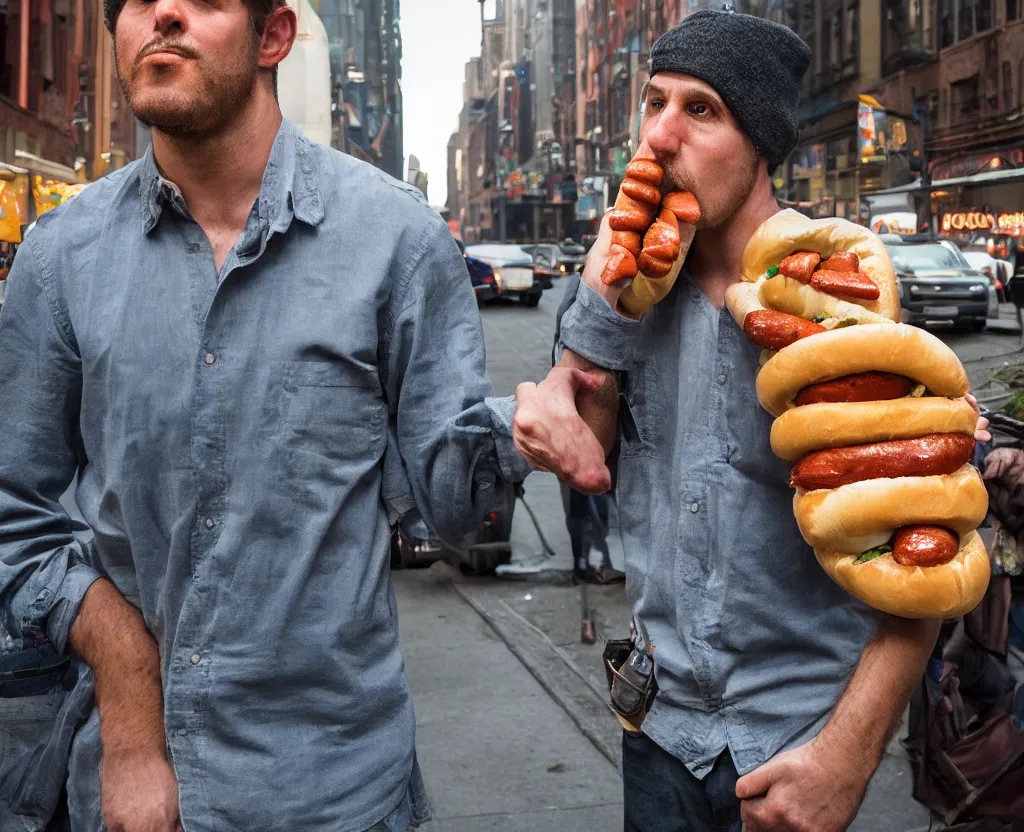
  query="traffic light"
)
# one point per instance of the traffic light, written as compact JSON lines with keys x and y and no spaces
{"x":83,"y":77}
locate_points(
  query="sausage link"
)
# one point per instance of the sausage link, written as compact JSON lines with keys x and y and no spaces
{"x":662,"y":239}
{"x":924,"y":546}
{"x":860,"y":387}
{"x":800,"y":265}
{"x":842,"y":261}
{"x":645,"y":170}
{"x":684,"y":205}
{"x":629,"y":240}
{"x":640,"y":191}
{"x":938,"y":453}
{"x":630,"y":215}
{"x":848,"y":284}
{"x":653,"y":266}
{"x":776,"y":330}
{"x":620,"y":264}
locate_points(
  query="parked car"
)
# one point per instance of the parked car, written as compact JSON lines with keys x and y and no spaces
{"x":938,"y":287}
{"x":551,"y":260}
{"x":998,"y":272}
{"x":486,"y":285}
{"x":513,"y":267}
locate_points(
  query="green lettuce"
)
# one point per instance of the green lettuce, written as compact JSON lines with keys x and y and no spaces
{"x":871,"y":554}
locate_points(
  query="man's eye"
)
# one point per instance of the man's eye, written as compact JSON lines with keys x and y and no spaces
{"x":656,"y":105}
{"x":699,"y":109}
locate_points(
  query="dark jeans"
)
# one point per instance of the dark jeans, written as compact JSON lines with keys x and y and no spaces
{"x":660,"y":794}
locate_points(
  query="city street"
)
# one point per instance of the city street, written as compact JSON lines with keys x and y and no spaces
{"x":514,"y":732}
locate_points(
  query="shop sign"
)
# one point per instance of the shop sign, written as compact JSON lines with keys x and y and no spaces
{"x":871,"y":133}
{"x":968,"y":165}
{"x":1006,"y":223}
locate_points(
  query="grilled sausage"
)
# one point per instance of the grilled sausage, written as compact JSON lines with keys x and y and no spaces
{"x":629,"y":240}
{"x":684,"y":205}
{"x":640,"y":191}
{"x":801,"y":265}
{"x":619,"y":265}
{"x":924,"y":546}
{"x":939,"y":453}
{"x":860,"y":387}
{"x":842,"y":261}
{"x":662,"y":239}
{"x":848,"y":284}
{"x":776,"y":330}
{"x":646,"y":170}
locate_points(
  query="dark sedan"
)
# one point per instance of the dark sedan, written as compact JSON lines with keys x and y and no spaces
{"x":938,"y":287}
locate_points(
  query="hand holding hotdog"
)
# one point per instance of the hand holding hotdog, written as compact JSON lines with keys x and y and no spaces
{"x":643,"y":240}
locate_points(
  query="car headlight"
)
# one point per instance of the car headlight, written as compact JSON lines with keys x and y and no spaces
{"x":915,"y":289}
{"x":978,"y":287}
{"x":561,"y":268}
{"x":497,"y":276}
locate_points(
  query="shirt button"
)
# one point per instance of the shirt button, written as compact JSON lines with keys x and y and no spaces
{"x":195,"y":658}
{"x":694,"y":507}
{"x":721,"y":379}
{"x":209,"y":522}
{"x":210,"y":358}
{"x":181,"y":732}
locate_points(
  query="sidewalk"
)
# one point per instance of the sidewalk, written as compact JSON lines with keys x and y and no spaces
{"x":497,"y":752}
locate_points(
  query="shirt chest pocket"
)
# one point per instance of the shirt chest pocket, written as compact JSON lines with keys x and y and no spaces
{"x":335,"y":420}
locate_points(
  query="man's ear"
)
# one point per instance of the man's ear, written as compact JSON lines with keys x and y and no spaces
{"x":278,"y":36}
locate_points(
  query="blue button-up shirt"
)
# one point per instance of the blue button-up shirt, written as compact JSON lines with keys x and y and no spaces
{"x":753,"y":643}
{"x":243,"y":439}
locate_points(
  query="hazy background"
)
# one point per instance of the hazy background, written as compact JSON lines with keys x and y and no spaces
{"x":438,"y":37}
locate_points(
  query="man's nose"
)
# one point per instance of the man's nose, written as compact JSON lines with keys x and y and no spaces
{"x":662,"y":135}
{"x":169,"y":16}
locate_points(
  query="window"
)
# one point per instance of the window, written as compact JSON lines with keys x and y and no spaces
{"x":835,"y":49}
{"x":1012,"y":9}
{"x":1007,"y":86}
{"x":947,"y":23}
{"x":965,"y":101}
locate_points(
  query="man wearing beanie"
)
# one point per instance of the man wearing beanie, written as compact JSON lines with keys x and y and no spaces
{"x":777,"y":692}
{"x":255,"y":352}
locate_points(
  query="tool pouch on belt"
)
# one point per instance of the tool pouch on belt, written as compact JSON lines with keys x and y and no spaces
{"x":631,"y":693}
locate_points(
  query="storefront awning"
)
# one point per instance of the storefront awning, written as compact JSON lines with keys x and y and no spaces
{"x":988,"y":177}
{"x":45,"y":167}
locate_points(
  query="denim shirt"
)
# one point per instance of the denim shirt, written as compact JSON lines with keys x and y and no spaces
{"x":753,"y":643}
{"x":242,"y":441}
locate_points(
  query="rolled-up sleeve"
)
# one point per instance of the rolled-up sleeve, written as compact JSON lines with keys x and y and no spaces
{"x":44,"y":569}
{"x":595,"y":331}
{"x":454,"y":436}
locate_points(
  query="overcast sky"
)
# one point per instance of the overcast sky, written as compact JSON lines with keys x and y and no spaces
{"x":438,"y":37}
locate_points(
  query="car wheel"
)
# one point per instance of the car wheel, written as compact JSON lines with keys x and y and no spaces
{"x":978,"y":326}
{"x":531,"y":300}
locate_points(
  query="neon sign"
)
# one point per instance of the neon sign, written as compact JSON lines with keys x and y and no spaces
{"x":1007,"y":223}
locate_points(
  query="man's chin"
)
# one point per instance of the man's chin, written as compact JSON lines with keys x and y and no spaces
{"x":171,"y":114}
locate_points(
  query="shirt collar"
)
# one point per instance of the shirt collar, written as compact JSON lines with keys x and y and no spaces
{"x":289,"y":188}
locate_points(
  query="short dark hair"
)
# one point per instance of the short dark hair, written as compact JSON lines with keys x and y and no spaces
{"x":260,"y":10}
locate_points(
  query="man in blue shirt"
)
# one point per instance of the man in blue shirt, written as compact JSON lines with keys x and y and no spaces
{"x":777,"y":691}
{"x":254,"y":352}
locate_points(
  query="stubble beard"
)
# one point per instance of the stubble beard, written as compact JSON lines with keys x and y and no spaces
{"x":195,"y":113}
{"x":717,"y":208}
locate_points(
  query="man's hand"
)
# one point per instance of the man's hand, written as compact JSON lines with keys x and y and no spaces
{"x":596,"y":259}
{"x":139,"y":792}
{"x":981,"y":432}
{"x":812,"y":788}
{"x":550,"y":433}
{"x":138,"y":785}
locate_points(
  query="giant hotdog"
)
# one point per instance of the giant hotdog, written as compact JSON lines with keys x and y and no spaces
{"x":872,"y":414}
{"x":651,"y":234}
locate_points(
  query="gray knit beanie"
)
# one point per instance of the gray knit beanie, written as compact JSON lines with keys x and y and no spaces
{"x":755,"y":65}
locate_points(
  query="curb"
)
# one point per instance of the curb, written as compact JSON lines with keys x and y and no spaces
{"x":555,"y":671}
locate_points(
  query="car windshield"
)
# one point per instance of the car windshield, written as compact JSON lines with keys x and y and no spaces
{"x":502,"y":252}
{"x":928,"y":256}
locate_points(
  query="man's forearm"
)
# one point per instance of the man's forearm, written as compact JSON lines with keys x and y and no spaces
{"x":870,"y":709}
{"x":110,"y":636}
{"x":600,"y":410}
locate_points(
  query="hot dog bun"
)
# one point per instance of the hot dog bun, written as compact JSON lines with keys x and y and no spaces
{"x":788,"y":232}
{"x":816,"y":426}
{"x":866,"y":354}
{"x":946,"y":591}
{"x":862,"y":515}
{"x":892,"y":348}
